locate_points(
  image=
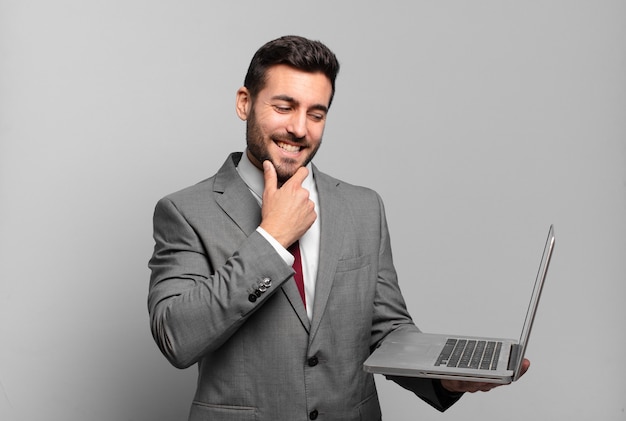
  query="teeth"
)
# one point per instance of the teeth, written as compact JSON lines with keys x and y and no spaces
{"x":288,"y":147}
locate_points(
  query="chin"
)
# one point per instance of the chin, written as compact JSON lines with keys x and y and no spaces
{"x":283,"y":174}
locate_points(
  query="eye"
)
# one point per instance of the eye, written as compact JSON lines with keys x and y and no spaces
{"x":282,"y":108}
{"x":316,"y":116}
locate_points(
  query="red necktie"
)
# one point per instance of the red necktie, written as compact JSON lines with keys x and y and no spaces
{"x":297,"y":266}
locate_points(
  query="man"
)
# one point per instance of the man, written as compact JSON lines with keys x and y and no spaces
{"x":223,"y":294}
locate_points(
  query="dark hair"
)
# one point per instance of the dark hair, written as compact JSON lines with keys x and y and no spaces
{"x":298,"y":52}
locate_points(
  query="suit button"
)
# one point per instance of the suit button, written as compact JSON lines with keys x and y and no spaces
{"x":313,"y":361}
{"x":264,"y":284}
{"x":313,"y":415}
{"x":252,"y":298}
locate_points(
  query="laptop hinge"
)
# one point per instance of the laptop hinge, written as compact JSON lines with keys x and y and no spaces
{"x":513,"y":357}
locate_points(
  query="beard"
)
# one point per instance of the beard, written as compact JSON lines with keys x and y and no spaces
{"x":257,"y":147}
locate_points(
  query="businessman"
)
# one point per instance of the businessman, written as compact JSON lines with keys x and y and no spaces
{"x":275,"y":278}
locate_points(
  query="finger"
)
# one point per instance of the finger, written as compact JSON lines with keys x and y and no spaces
{"x":471,"y":387}
{"x":269,"y":175}
{"x":486,"y":387}
{"x":525,"y":366}
{"x":479,"y":387}
{"x":298,"y":176}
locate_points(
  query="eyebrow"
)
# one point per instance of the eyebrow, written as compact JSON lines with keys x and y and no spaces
{"x":287,"y":98}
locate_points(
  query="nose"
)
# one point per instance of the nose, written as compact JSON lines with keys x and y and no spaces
{"x":297,"y":125}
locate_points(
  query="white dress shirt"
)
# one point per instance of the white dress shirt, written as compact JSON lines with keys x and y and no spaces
{"x":309,"y":242}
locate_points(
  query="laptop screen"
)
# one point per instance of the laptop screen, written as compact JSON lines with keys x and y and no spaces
{"x":534,"y":301}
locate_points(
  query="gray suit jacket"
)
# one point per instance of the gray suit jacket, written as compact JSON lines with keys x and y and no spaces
{"x":221,"y":296}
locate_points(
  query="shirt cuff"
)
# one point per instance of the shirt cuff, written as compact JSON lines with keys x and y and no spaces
{"x":286,"y":256}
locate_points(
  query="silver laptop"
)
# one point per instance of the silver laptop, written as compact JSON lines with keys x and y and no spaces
{"x":495,"y":360}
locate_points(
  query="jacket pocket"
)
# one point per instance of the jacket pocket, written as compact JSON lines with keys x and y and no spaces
{"x":207,"y":412}
{"x":353,"y":263}
{"x":369,"y":409}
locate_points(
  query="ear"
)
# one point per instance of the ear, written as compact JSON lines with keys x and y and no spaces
{"x":243,"y":103}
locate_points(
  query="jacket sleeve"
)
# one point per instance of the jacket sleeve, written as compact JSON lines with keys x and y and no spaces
{"x":193,"y":307}
{"x":429,"y":390}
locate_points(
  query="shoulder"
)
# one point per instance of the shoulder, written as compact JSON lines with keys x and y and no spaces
{"x":348,"y":191}
{"x":193,"y":192}
{"x":203,"y":192}
{"x":189,"y":199}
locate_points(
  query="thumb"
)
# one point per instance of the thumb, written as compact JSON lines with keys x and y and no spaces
{"x":269,"y":175}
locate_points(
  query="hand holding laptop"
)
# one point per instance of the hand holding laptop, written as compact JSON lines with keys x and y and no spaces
{"x":461,"y":386}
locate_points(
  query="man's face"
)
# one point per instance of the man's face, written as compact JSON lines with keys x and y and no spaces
{"x":285,"y":122}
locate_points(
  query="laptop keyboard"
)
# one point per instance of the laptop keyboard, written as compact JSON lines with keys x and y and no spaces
{"x":467,"y":353}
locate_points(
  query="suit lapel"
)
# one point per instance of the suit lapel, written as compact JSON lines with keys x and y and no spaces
{"x":291,"y":292}
{"x":236,"y":199}
{"x":331,"y":242}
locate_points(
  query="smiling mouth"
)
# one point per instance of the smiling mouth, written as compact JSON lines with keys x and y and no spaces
{"x":288,"y":147}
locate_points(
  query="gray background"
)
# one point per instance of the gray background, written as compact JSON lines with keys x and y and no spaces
{"x":480,"y":123}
